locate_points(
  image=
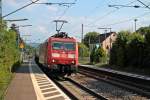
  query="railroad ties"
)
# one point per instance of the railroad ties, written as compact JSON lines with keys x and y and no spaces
{"x":81,"y":86}
{"x":44,"y":87}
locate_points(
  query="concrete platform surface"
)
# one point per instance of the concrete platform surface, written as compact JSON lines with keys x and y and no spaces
{"x":21,"y":87}
{"x":30,"y":83}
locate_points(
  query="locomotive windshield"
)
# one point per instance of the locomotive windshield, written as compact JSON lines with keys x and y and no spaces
{"x":69,"y":46}
{"x":57,"y":45}
{"x":63,"y":45}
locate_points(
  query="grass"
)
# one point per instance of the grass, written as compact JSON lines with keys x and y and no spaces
{"x":4,"y":82}
{"x":5,"y":78}
{"x":84,"y":60}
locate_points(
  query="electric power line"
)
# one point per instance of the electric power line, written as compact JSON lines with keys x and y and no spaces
{"x":66,"y":10}
{"x":104,"y":16}
{"x":144,"y":4}
{"x":20,"y":8}
{"x":127,"y":20}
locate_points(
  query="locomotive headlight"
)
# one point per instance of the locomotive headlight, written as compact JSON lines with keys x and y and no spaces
{"x":73,"y":62}
{"x":55,"y":55}
{"x":53,"y":60}
{"x":71,"y":55}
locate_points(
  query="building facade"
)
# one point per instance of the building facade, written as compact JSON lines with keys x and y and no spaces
{"x":106,"y":40}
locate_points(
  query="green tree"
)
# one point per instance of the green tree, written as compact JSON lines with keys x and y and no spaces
{"x":90,"y":36}
{"x":118,"y":51}
{"x":9,"y":56}
{"x":144,"y":30}
{"x":146,"y":56}
{"x":135,"y":50}
{"x":83,"y":50}
{"x":93,"y":55}
{"x":113,"y":55}
{"x":100,"y":55}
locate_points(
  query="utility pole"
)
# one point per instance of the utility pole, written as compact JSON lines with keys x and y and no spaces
{"x":135,"y":20}
{"x":62,"y":23}
{"x":82,"y":34}
{"x":82,"y":41}
{"x":89,"y":49}
{"x":1,"y":15}
{"x":1,"y":8}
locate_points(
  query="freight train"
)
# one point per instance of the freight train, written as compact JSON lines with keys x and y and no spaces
{"x":59,"y":54}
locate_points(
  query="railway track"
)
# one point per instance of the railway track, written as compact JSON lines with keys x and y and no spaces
{"x":79,"y":91}
{"x":86,"y":85}
{"x":75,"y":90}
{"x":125,"y":82}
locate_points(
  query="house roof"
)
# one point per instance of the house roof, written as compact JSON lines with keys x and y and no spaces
{"x":102,"y":37}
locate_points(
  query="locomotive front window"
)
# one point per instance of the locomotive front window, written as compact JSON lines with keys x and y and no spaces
{"x":57,"y":45}
{"x":69,"y":46}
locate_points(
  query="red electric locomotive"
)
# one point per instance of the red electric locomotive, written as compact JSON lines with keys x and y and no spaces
{"x":59,"y":54}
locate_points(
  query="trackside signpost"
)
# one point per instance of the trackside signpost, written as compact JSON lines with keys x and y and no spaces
{"x":21,"y":46}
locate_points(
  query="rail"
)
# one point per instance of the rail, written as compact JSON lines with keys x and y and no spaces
{"x":137,"y":84}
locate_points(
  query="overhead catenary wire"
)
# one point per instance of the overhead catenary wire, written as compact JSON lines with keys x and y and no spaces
{"x":147,"y":6}
{"x":127,"y":20}
{"x":65,"y":11}
{"x":102,"y":17}
{"x":107,"y":14}
{"x":95,"y":8}
{"x":20,"y":8}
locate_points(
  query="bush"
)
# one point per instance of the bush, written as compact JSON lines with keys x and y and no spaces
{"x":118,"y":51}
{"x":98,"y":55}
{"x":113,"y":55}
{"x":131,"y":50}
{"x":9,"y":55}
{"x":83,"y":50}
{"x":135,"y":50}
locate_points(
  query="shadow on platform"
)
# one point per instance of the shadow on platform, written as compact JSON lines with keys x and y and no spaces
{"x":25,"y":68}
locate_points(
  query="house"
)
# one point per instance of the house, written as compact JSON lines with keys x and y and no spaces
{"x":106,"y":40}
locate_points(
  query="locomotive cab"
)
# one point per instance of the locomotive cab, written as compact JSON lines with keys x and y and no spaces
{"x":60,"y":55}
{"x":63,"y":55}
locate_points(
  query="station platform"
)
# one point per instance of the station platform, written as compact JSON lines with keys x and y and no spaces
{"x":119,"y":72}
{"x":30,"y":83}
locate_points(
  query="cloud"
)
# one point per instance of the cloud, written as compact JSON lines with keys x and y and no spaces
{"x":14,"y":3}
{"x":42,"y":29}
{"x":52,"y":8}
